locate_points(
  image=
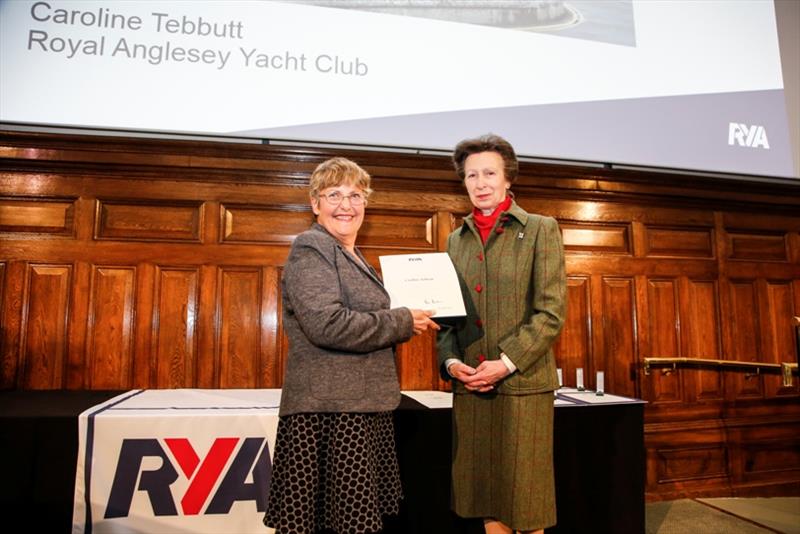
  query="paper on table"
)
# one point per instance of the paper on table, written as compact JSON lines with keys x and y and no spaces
{"x":432,"y":399}
{"x":590,"y":397}
{"x":424,"y":282}
{"x":563,"y":402}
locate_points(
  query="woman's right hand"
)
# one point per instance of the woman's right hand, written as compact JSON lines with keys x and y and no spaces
{"x":474,"y":380}
{"x":422,"y":320}
{"x":466,"y":375}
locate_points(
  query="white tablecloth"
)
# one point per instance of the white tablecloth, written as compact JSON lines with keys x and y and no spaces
{"x":180,"y":460}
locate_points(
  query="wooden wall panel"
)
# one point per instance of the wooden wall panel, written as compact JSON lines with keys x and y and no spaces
{"x":274,"y":364}
{"x":263,"y":224}
{"x":764,"y":454}
{"x":746,"y":337}
{"x":239,"y":312}
{"x":574,"y":346}
{"x":780,"y":337}
{"x":679,"y":242}
{"x":5,"y":359}
{"x":416,"y":365}
{"x":688,"y":458}
{"x":760,"y":246}
{"x":175,"y":327}
{"x":619,"y":336}
{"x":12,"y":326}
{"x":408,"y":230}
{"x":148,"y":221}
{"x":663,"y":324}
{"x":44,"y":343}
{"x":75,"y":371}
{"x":692,"y":464}
{"x":156,"y":263}
{"x":208,"y":327}
{"x":701,"y":336}
{"x":37,"y":216}
{"x":763,"y":459}
{"x":110,"y":331}
{"x":607,"y":238}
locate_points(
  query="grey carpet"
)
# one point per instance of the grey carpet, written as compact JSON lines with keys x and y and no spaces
{"x":686,"y":516}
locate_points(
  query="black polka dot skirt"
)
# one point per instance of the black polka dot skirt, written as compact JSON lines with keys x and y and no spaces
{"x":333,"y":472}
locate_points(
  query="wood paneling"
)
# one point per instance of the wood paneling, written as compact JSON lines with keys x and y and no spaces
{"x":679,"y":242}
{"x":574,"y":347}
{"x":273,"y":364}
{"x":37,"y":216}
{"x":146,"y":221}
{"x":175,"y":327}
{"x":44,"y":345}
{"x":110,"y":330}
{"x":779,"y":334}
{"x":757,"y":246}
{"x":254,"y":224}
{"x":407,"y":230}
{"x":702,"y":338}
{"x":240,"y":297}
{"x":746,"y":337}
{"x":416,"y":367}
{"x":762,"y":458}
{"x":5,"y":360}
{"x":663,"y":323}
{"x":619,"y":336}
{"x":692,"y":463}
{"x":156,"y":263}
{"x":207,"y":328}
{"x":596,"y":238}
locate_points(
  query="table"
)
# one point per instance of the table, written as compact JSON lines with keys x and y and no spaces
{"x":599,"y":462}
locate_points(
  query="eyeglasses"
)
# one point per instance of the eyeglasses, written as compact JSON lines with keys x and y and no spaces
{"x":335,"y":198}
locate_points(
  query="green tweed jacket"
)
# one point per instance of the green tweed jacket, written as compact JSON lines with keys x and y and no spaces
{"x":514,"y":289}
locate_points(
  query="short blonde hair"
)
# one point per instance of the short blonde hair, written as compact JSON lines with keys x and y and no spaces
{"x":337,"y":171}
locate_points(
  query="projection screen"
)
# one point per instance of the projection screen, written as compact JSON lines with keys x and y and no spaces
{"x":679,"y":85}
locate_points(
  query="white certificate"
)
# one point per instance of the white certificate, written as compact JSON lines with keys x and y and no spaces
{"x":423,"y":281}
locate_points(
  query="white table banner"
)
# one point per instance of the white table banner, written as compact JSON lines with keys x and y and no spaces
{"x":176,"y":461}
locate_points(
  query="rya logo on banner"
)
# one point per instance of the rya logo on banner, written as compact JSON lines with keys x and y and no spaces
{"x":750,"y":136}
{"x":203,"y":474}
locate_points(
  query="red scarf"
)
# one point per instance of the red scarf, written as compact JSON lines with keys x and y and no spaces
{"x":485,"y":223}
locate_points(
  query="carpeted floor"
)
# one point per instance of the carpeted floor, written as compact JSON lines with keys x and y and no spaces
{"x":724,"y":516}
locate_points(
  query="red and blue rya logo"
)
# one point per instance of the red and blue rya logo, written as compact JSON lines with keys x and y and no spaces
{"x":251,"y":462}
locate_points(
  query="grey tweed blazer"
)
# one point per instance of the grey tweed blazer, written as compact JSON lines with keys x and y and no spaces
{"x":341,"y":331}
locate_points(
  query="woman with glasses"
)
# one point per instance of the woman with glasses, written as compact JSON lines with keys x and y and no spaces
{"x":500,"y":357}
{"x":334,"y":466}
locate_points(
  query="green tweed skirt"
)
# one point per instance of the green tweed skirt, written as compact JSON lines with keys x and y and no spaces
{"x":503,"y":459}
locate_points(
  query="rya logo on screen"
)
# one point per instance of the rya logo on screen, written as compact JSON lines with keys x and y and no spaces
{"x":203,"y":475}
{"x":749,"y":136}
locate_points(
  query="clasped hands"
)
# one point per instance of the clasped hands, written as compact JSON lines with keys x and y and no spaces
{"x":479,"y":379}
{"x":423,"y":321}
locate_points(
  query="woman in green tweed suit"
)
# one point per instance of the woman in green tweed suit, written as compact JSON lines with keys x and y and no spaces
{"x":500,"y":357}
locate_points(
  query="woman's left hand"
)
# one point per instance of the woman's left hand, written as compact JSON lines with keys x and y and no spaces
{"x":487,"y":375}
